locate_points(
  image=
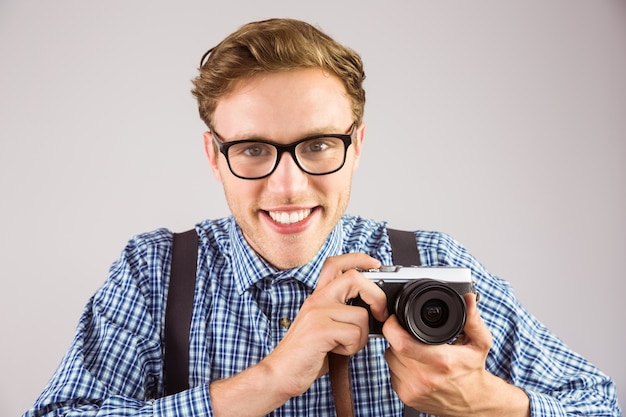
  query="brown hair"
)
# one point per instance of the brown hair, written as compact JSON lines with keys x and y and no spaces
{"x":270,"y":46}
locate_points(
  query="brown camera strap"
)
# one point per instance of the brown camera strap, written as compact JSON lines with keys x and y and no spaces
{"x":340,"y":382}
{"x":180,"y":304}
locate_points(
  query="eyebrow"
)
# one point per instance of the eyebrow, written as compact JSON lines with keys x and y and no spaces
{"x":254,"y":137}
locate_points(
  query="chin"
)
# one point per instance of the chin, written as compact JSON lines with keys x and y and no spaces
{"x":295,"y":257}
{"x":291,"y":252}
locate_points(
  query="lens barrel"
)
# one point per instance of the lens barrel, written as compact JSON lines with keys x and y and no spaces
{"x":432,"y":311}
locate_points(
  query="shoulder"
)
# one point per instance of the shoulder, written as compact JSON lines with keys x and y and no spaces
{"x":152,"y":240}
{"x":355,"y":227}
{"x":210,"y":232}
{"x":142,"y":250}
{"x":148,"y":254}
{"x":215,"y":234}
{"x":363,"y":235}
{"x":441,"y":249}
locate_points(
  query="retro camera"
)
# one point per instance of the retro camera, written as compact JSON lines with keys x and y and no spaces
{"x":428,"y":301}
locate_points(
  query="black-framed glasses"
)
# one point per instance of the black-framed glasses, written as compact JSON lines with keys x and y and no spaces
{"x":253,"y":159}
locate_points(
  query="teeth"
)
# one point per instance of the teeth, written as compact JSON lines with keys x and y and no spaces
{"x":285,"y":217}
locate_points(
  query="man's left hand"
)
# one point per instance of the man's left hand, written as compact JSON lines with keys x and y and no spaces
{"x":450,"y":379}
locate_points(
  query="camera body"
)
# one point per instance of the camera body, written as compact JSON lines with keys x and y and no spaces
{"x":428,"y":301}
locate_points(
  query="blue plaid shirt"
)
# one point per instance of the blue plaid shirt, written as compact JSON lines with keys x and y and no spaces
{"x":242,"y":307}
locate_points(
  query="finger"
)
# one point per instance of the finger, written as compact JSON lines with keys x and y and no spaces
{"x":404,"y":355}
{"x":353,"y":284}
{"x":348,"y":328}
{"x":403,"y":344}
{"x":350,"y":284}
{"x":335,"y":266}
{"x":397,"y":366}
{"x":329,"y":325}
{"x":475,"y":330}
{"x":372,"y":295}
{"x":396,"y":335}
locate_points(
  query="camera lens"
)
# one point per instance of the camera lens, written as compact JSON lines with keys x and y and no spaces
{"x":432,"y":311}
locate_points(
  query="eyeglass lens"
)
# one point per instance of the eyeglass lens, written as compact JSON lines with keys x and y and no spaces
{"x":315,"y":156}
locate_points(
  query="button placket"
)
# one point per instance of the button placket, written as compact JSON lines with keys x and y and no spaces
{"x":287,"y":296}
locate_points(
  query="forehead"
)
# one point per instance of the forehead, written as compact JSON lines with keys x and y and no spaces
{"x":284,"y":105}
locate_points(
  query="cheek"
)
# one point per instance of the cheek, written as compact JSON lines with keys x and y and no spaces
{"x":221,"y":170}
{"x":338,"y":186}
{"x":239,"y":193}
{"x":354,"y":156}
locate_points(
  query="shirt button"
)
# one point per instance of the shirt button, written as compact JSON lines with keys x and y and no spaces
{"x":285,"y":322}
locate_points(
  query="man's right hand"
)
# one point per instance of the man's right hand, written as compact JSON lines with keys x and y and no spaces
{"x":324,"y":324}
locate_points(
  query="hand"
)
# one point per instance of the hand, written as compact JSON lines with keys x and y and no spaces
{"x":326,"y":324}
{"x":450,"y":379}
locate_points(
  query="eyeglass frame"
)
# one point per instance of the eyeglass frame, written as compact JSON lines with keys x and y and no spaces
{"x":346,"y":138}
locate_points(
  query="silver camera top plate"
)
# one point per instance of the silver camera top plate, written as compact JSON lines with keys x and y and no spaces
{"x":392,"y":273}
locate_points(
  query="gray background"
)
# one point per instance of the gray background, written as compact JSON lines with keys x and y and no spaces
{"x":501,"y":123}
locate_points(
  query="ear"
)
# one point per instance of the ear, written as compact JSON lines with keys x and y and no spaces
{"x":213,"y":154}
{"x":358,"y":145}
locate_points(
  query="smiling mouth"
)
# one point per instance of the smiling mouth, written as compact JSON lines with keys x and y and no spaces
{"x":289,"y":217}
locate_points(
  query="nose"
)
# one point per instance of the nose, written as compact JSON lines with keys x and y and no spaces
{"x":288,"y":179}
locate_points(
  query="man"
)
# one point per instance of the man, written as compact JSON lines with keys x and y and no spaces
{"x":284,"y":106}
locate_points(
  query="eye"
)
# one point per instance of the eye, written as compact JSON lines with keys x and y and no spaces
{"x":251,"y":150}
{"x":317,"y":145}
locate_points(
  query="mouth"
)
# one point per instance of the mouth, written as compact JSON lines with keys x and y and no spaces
{"x":289,"y":217}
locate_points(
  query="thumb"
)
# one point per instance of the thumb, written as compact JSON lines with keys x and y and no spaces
{"x":475,"y":331}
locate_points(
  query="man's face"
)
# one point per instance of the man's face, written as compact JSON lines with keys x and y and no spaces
{"x":287,"y":216}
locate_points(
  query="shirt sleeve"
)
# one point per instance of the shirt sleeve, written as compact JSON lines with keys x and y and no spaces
{"x":558,"y":381}
{"x":114,"y":365}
